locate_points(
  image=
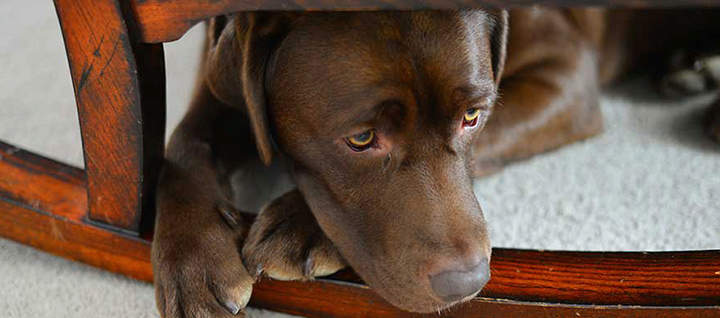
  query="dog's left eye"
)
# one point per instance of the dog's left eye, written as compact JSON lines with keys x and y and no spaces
{"x":361,"y":141}
{"x":470,"y":118}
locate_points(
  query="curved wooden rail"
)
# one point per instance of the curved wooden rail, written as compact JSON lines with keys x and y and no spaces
{"x":167,"y":20}
{"x":43,"y":204}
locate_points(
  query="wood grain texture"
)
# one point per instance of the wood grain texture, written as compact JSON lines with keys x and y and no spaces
{"x":41,"y":184}
{"x":42,"y":204}
{"x":122,"y":140}
{"x":167,"y":20}
{"x":332,"y":299}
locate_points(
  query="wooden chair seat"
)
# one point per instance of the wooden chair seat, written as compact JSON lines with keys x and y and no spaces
{"x":103,"y":215}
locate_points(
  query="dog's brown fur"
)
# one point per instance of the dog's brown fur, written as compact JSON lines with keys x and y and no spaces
{"x":402,"y":210}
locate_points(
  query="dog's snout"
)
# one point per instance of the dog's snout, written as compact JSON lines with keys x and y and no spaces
{"x":453,"y":284}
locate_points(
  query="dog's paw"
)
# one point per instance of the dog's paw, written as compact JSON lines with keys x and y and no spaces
{"x":286,"y":243}
{"x":201,"y":275}
{"x":691,"y":75}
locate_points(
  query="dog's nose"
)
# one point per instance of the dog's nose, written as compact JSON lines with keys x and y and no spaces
{"x":456,"y":284}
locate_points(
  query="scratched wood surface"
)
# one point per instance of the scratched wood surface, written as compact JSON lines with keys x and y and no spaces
{"x":122,"y":140}
{"x":167,"y":20}
{"x":42,"y":204}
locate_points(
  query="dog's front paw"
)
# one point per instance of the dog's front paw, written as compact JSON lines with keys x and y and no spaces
{"x":286,"y":243}
{"x":200,"y":273}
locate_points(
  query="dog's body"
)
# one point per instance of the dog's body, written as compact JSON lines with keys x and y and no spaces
{"x":418,"y":87}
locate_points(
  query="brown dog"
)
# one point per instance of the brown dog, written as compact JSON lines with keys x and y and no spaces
{"x":379,"y":119}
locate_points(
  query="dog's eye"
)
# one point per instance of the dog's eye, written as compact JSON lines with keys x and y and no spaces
{"x":361,"y":141}
{"x":470,"y":118}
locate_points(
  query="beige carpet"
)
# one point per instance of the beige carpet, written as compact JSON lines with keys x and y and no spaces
{"x":651,"y":182}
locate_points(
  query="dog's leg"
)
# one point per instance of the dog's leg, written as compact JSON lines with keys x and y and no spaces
{"x":195,"y":253}
{"x":549,"y":93}
{"x":285,"y":242}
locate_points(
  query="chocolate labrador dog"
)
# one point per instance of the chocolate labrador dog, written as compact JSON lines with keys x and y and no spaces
{"x":364,"y":131}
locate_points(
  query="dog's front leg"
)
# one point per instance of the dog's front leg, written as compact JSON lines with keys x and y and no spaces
{"x":195,"y":253}
{"x":197,"y":266}
{"x":285,"y":242}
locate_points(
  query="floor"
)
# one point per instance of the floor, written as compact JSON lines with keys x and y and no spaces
{"x":650,"y":182}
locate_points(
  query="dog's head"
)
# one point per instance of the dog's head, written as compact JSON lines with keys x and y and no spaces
{"x":377,"y":112}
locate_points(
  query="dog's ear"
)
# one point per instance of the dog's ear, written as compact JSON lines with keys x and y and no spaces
{"x":498,"y":42}
{"x":239,"y":48}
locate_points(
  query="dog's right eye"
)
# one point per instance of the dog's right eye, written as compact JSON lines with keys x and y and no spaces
{"x":361,"y":141}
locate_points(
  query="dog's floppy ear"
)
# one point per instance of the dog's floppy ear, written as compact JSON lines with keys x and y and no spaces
{"x":239,"y":48}
{"x":498,"y":42}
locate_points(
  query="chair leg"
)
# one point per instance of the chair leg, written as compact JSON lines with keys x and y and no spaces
{"x":120,"y":95}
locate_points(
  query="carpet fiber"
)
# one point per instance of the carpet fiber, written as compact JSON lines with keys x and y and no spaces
{"x":650,"y":182}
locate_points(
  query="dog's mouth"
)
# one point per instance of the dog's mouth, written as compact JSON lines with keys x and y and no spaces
{"x":445,"y":306}
{"x":417,"y":298}
{"x":416,"y":279}
{"x":416,"y":290}
{"x":420,"y":255}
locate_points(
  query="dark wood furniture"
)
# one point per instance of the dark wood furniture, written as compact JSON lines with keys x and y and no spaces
{"x":102,"y":215}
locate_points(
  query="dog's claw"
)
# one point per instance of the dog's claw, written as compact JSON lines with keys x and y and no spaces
{"x":231,"y":307}
{"x":308,"y":267}
{"x":231,"y":215}
{"x":258,"y":270}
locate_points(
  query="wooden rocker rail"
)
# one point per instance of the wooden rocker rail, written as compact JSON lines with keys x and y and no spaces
{"x":43,"y":204}
{"x":102,"y":215}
